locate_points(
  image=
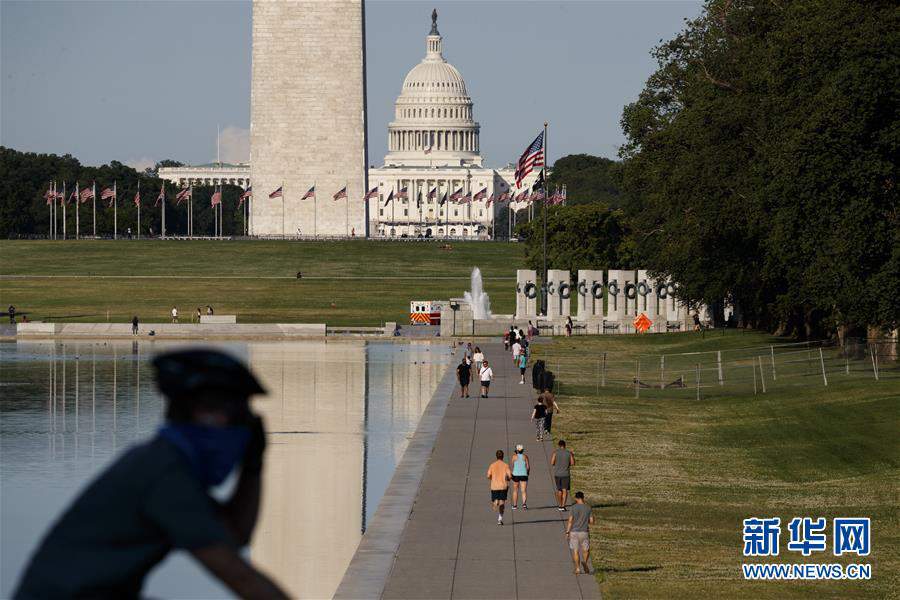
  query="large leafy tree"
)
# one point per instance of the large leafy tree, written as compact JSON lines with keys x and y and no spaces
{"x":760,"y":163}
{"x":588,"y":179}
{"x":587,"y":236}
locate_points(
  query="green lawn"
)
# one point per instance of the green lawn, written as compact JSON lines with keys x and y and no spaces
{"x":356,"y":282}
{"x":672,"y":477}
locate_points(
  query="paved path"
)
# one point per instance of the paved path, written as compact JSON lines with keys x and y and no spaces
{"x":451,"y":546}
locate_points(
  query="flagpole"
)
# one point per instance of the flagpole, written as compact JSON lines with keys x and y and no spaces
{"x":191,"y":213}
{"x":347,"y":198}
{"x":544,"y":207}
{"x":77,"y":211}
{"x":282,"y":209}
{"x":94,"y":205}
{"x":50,"y":194}
{"x":315,"y":213}
{"x":115,"y":210}
{"x":64,"y":216}
{"x":139,"y":210}
{"x":163,"y":211}
{"x":53,"y":206}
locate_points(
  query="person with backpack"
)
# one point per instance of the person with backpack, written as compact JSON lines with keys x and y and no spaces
{"x":521,"y":467}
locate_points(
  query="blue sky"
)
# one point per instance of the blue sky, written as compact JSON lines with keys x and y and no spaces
{"x":142,"y":81}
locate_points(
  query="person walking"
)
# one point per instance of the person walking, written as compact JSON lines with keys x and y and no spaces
{"x":538,"y":413}
{"x":478,"y":357}
{"x":562,"y":461}
{"x":155,"y":498}
{"x":578,"y":532}
{"x":209,"y":310}
{"x":463,"y":376}
{"x":522,"y":364}
{"x":530,"y":333}
{"x":506,"y":341}
{"x":499,"y":475}
{"x":569,"y":326}
{"x":521,"y":466}
{"x":174,"y":315}
{"x":198,"y":314}
{"x":134,"y":325}
{"x":486,"y":375}
{"x":516,"y":350}
{"x":12,"y":314}
{"x":468,"y":351}
{"x":552,"y":407}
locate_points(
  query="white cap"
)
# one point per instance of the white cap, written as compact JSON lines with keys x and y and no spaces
{"x":519,"y":447}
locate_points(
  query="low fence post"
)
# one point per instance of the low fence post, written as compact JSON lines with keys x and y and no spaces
{"x":662,"y":372}
{"x":719,"y":363}
{"x":697,"y":378}
{"x":822,"y":362}
{"x":762,"y":375}
{"x":753,"y":366}
{"x":874,"y":366}
{"x":772,"y":349}
{"x":603,"y":377}
{"x":637,"y":378}
{"x":598,"y":378}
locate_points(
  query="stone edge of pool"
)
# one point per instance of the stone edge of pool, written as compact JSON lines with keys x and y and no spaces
{"x":367,"y":574}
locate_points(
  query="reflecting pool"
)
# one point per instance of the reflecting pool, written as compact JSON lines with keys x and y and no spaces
{"x":339,"y":415}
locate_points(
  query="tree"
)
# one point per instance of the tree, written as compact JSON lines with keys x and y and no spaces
{"x":588,"y":179}
{"x":760,"y":163}
{"x":587,"y":236}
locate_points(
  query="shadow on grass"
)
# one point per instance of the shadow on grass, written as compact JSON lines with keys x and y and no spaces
{"x":630,"y":569}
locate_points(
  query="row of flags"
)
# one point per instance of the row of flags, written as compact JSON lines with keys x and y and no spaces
{"x":110,"y":194}
{"x":533,"y":158}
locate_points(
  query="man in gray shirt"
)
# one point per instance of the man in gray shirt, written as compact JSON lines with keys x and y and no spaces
{"x":562,"y":460}
{"x":578,"y":531}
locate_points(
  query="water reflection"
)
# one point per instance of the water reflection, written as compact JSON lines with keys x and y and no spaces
{"x":339,"y":416}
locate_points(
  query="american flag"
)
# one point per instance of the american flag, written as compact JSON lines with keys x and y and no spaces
{"x":247,"y":193}
{"x":389,"y":198}
{"x":216,"y":198}
{"x":523,"y":197}
{"x":279,"y":193}
{"x":490,"y":200}
{"x":455,"y":196}
{"x":403,"y":194}
{"x":310,"y":193}
{"x":106,"y":194}
{"x":341,"y":193}
{"x":86,"y":194}
{"x":50,"y":195}
{"x":531,"y":158}
{"x":467,"y":199}
{"x":537,"y":195}
{"x":432,"y":194}
{"x":443,"y":199}
{"x":137,"y":197}
{"x":373,"y":193}
{"x":162,"y":195}
{"x":503,"y":197}
{"x":183,"y":195}
{"x":481,"y":195}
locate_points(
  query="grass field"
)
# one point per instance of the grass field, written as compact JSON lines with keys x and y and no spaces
{"x":367,"y":282}
{"x":672,"y":477}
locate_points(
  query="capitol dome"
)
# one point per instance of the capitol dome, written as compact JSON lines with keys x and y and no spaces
{"x":433,"y":119}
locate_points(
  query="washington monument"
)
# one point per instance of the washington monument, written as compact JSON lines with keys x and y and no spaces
{"x":308,"y":118}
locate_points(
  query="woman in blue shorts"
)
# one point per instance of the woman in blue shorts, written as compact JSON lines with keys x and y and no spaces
{"x":520,"y":469}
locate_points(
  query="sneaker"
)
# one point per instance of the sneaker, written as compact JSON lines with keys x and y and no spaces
{"x":521,"y":383}
{"x":560,"y":508}
{"x":524,"y":506}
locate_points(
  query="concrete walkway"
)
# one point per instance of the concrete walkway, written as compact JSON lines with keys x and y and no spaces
{"x":451,"y":546}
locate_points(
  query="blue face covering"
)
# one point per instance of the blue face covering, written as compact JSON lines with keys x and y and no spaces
{"x":212,"y":451}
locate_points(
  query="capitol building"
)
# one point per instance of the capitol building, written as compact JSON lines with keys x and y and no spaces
{"x":433,"y":182}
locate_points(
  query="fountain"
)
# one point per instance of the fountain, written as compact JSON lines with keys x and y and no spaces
{"x":477,"y":297}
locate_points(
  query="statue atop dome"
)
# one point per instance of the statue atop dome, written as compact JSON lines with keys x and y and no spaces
{"x":434,"y":29}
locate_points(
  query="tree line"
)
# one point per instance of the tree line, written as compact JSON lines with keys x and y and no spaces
{"x":760,"y":168}
{"x":26,"y":176}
